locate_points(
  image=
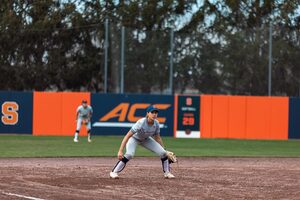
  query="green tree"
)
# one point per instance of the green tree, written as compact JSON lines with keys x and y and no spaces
{"x":147,"y":42}
{"x":49,"y":45}
{"x":241,"y":30}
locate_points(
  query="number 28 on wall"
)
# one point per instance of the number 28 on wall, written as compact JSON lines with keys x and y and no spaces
{"x":10,"y":114}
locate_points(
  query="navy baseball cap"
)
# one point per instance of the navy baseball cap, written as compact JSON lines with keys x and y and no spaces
{"x":152,"y":108}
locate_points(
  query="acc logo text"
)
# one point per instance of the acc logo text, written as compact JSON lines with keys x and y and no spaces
{"x":126,"y":115}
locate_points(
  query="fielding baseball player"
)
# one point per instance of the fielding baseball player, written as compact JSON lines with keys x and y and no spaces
{"x":83,"y":116}
{"x":144,"y":132}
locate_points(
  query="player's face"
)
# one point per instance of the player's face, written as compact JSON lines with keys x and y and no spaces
{"x":153,"y":114}
{"x":84,"y":105}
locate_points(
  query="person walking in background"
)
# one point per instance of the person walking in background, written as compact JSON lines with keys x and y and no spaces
{"x":83,"y":117}
{"x":145,"y":132}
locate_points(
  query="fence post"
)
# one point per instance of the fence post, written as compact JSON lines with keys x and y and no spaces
{"x":171,"y":61}
{"x":122,"y":60}
{"x":270,"y":60}
{"x":105,"y":55}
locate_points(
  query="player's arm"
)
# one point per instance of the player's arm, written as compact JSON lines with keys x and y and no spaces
{"x":123,"y":144}
{"x":90,"y":113}
{"x":158,"y":139}
{"x":77,"y":113}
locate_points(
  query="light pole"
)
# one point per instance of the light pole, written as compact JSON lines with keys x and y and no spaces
{"x":105,"y":55}
{"x":171,"y":61}
{"x":270,"y":59}
{"x":122,"y":59}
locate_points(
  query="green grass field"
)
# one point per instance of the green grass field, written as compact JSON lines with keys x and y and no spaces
{"x":42,"y":146}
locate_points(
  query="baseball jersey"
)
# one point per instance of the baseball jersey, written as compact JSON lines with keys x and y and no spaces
{"x":142,"y":130}
{"x":84,"y":112}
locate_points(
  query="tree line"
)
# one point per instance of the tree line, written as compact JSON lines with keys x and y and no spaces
{"x":220,"y":47}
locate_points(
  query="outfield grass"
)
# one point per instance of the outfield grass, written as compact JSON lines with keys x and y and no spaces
{"x":42,"y":146}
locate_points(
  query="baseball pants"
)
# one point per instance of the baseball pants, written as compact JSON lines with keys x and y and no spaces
{"x":79,"y":123}
{"x":149,"y":144}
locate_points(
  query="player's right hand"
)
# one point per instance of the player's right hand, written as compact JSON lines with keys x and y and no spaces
{"x":120,"y":155}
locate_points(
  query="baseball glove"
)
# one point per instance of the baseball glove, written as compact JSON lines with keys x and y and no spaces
{"x":171,"y":157}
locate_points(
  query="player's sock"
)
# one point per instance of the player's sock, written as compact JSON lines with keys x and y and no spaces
{"x":76,"y":134}
{"x":165,"y":164}
{"x":89,"y":134}
{"x":120,"y":165}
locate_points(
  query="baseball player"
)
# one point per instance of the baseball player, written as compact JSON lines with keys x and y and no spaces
{"x":144,"y":132}
{"x":83,"y":116}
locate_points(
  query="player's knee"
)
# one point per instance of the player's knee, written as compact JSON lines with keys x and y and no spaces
{"x":163,"y":154}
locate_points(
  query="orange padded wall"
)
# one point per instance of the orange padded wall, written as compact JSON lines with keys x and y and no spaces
{"x":237,"y":117}
{"x":258,"y":117}
{"x":205,"y":116}
{"x":279,"y":115}
{"x":220,"y":116}
{"x":47,"y":117}
{"x":267,"y":117}
{"x":244,"y":117}
{"x":54,"y":113}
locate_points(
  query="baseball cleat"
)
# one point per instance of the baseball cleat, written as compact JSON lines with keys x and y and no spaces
{"x":113,"y":175}
{"x":89,"y":140}
{"x":75,"y":140}
{"x":169,"y":175}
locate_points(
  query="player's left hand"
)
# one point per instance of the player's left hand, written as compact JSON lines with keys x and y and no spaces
{"x":85,"y":121}
{"x":171,"y":157}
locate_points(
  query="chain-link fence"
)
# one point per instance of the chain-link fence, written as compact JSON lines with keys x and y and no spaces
{"x":235,"y":62}
{"x":258,"y":61}
{"x":142,"y":56}
{"x":107,"y":57}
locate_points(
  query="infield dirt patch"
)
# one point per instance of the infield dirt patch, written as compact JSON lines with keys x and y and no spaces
{"x":196,"y":178}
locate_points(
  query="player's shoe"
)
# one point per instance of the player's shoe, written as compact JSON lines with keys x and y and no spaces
{"x":89,"y":140}
{"x":169,"y":175}
{"x":75,"y":140}
{"x":113,"y":175}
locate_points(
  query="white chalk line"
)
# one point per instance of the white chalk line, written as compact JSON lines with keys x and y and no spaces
{"x":22,"y":196}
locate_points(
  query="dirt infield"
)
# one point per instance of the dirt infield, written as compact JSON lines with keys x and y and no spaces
{"x":196,"y":178}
